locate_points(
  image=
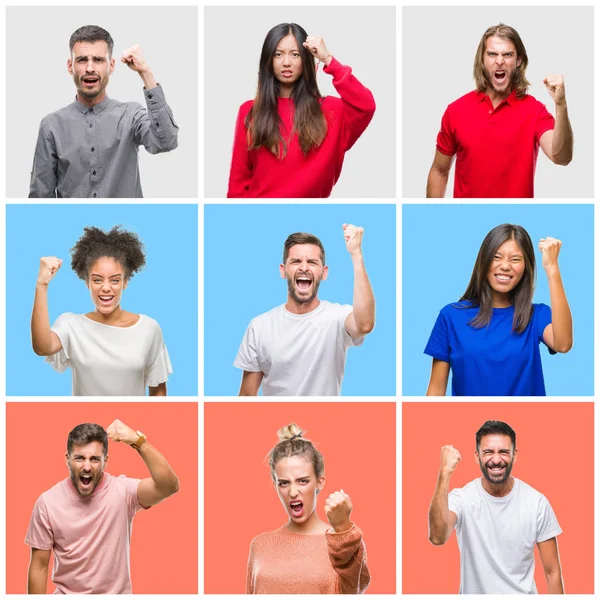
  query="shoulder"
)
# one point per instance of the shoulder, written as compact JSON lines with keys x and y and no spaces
{"x":540,"y":307}
{"x":332,"y":103}
{"x":149,"y":323}
{"x":529,"y":493}
{"x":266,"y":540}
{"x":245,"y":108}
{"x":68,"y":319}
{"x":58,"y":115}
{"x":333,"y":308}
{"x":467,"y":490}
{"x":454,"y":308}
{"x":464,"y":101}
{"x":55,"y":494}
{"x":266,"y":317}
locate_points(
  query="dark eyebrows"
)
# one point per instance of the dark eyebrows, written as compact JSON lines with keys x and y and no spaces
{"x":110,"y":276}
{"x":82,"y":456}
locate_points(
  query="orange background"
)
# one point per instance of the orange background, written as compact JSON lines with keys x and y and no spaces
{"x":164,"y":545}
{"x":358,"y":443}
{"x":556,"y":457}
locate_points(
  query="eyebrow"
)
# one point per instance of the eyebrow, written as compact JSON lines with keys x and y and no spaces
{"x":96,"y":56}
{"x":283,"y":50}
{"x":82,"y":456}
{"x":110,"y":276}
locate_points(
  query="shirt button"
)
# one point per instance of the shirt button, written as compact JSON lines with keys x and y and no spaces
{"x":95,"y":195}
{"x":149,"y":95}
{"x":491,"y":112}
{"x":93,"y":148}
{"x":93,"y":172}
{"x":91,"y":125}
{"x":157,"y":124}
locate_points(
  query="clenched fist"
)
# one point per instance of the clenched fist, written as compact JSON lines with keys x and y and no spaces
{"x":550,"y":249}
{"x":316,"y":46}
{"x":555,"y":84}
{"x":134,"y":58}
{"x":353,"y":238}
{"x":117,"y":431}
{"x":49,"y":266}
{"x":337,"y":509}
{"x":449,"y":459}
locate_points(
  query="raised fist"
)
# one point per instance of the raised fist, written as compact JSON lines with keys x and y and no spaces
{"x":449,"y":459}
{"x":49,"y":266}
{"x":117,"y":431}
{"x":134,"y":58}
{"x":550,"y":249}
{"x":555,"y":84}
{"x":353,"y":237}
{"x":316,"y":46}
{"x":337,"y":509}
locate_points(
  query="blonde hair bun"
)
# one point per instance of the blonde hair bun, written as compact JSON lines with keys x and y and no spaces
{"x":289,"y":431}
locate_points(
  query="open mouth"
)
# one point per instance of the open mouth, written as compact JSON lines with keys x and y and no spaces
{"x":86,"y":480}
{"x":296,"y":508}
{"x":500,"y":76}
{"x":502,"y":279}
{"x":90,"y":80}
{"x":303,"y":283}
{"x":497,"y":469}
{"x":106,"y":299}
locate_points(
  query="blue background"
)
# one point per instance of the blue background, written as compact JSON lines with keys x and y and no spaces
{"x":439,"y":248}
{"x":242,"y":253}
{"x":166,"y":289}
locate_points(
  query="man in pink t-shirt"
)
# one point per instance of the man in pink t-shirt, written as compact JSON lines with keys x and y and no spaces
{"x":495,"y":131}
{"x":86,"y":518}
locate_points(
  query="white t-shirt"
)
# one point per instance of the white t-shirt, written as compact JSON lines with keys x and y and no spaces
{"x":497,"y":537}
{"x":299,"y":355}
{"x":111,"y":361}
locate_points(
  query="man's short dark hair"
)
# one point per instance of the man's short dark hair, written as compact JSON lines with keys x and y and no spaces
{"x":85,"y":433}
{"x":497,"y":428}
{"x":302,"y":238}
{"x":92,"y":33}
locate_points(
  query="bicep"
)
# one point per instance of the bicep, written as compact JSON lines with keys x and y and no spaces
{"x":158,"y":390}
{"x":351,"y":327}
{"x":251,"y":383}
{"x":548,"y":550}
{"x":441,"y":162}
{"x":548,"y":336}
{"x":148,"y":494}
{"x":452,"y":519}
{"x":546,"y":143}
{"x":39,"y":558}
{"x":438,"y":381}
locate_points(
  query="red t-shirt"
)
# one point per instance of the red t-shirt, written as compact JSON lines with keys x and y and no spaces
{"x":261,"y":174}
{"x":496,"y":149}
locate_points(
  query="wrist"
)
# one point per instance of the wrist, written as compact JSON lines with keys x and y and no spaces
{"x":342,"y":527}
{"x":326,"y":60}
{"x":42,"y":284}
{"x":356,"y":255}
{"x":552,"y":270}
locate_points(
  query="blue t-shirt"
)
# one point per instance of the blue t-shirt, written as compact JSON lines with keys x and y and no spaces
{"x":492,"y":360}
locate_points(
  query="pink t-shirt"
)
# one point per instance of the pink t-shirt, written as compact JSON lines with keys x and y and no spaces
{"x":90,"y":537}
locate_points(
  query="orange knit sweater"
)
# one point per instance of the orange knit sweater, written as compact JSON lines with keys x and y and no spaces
{"x":283,"y":562}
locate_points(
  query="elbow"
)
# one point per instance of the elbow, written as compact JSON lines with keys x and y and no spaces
{"x":40,"y":350}
{"x":435,"y":540}
{"x":564,"y":347}
{"x":562,"y":161}
{"x":366,"y":327}
{"x":173,"y":487}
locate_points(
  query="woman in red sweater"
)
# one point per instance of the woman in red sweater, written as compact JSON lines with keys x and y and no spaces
{"x":290,"y":141}
{"x":307,"y":555}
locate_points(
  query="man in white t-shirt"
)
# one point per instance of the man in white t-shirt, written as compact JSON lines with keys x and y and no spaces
{"x":498,"y":520}
{"x":86,"y":519}
{"x":299,"y":348}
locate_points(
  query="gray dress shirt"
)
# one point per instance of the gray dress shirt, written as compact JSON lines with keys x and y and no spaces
{"x":92,"y":152}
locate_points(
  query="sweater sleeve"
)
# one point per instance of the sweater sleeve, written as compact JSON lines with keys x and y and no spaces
{"x":358,"y":101}
{"x":240,"y":173}
{"x":250,"y":571}
{"x":348,"y":556}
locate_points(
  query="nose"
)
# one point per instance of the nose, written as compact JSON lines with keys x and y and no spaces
{"x":287,"y":61}
{"x":89,"y":67}
{"x":293,"y":491}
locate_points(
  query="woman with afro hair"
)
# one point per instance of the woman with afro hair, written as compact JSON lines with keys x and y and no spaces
{"x":111,"y":352}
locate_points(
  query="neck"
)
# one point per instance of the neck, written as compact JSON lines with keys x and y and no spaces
{"x":91,"y":101}
{"x":301,"y":308}
{"x":501,"y":300}
{"x":498,"y":489}
{"x":285,"y":91}
{"x":497,"y":97}
{"x":312,"y":525}
{"x":107,"y":319}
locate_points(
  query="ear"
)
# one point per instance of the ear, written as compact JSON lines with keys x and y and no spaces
{"x":321,"y":483}
{"x":70,"y":66}
{"x":519,"y":61}
{"x":282,"y":271}
{"x":106,"y":460}
{"x":515,"y":455}
{"x":325,"y":271}
{"x":112,"y":65}
{"x":67,"y":459}
{"x":125,"y":283}
{"x":476,"y":456}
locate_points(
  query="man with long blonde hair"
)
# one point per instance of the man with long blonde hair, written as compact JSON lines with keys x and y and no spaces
{"x":496,"y":130}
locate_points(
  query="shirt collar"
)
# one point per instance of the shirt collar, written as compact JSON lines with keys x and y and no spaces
{"x":511,"y":100}
{"x":97,"y":108}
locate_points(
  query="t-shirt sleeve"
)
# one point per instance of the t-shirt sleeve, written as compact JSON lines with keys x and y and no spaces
{"x":543,"y":318}
{"x":344,"y":311}
{"x":446,"y":142}
{"x":40,"y":534}
{"x":161,"y":368}
{"x":545,"y":122}
{"x":247,"y":356}
{"x":62,"y":328}
{"x":455,"y":504}
{"x":131,"y":491}
{"x":547,"y":524}
{"x":438,"y":345}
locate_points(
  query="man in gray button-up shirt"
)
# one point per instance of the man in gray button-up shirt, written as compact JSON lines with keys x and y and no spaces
{"x":89,"y":149}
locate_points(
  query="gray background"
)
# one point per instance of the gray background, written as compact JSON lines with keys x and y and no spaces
{"x":438,"y":49}
{"x":360,"y":37}
{"x":37,"y":49}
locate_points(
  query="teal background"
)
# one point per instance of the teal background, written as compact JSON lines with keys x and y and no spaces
{"x":242,"y":253}
{"x":166,"y":289}
{"x":439,"y":248}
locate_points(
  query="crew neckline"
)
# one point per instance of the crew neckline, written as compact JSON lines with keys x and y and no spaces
{"x":313,"y":312}
{"x":113,"y":326}
{"x":499,"y":498}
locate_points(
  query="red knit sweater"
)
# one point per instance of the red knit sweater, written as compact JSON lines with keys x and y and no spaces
{"x":260,"y":174}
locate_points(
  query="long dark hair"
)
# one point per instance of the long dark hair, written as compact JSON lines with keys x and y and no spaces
{"x":479,"y":292}
{"x":263,"y":122}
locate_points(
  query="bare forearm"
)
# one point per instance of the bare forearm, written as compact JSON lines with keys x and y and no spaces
{"x":562,"y":322}
{"x":555,"y":582}
{"x":37,"y":580}
{"x":363,"y":304}
{"x":41,"y":335}
{"x":439,"y":514}
{"x":437,"y":181}
{"x":161,"y":472}
{"x":562,"y":138}
{"x":148,"y":79}
{"x":436,"y":389}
